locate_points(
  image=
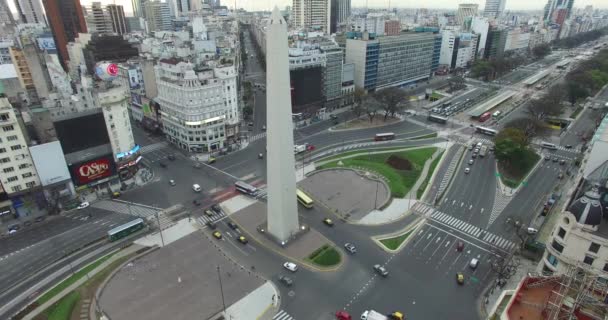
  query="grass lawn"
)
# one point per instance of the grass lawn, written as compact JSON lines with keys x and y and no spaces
{"x":576,"y":112}
{"x":62,"y":310}
{"x":513,"y":175}
{"x":400,"y":181}
{"x":326,"y":256}
{"x":426,"y":136}
{"x":66,"y":283}
{"x":435,"y":96}
{"x":394,"y":243}
{"x":428,"y":176}
{"x":362,"y":151}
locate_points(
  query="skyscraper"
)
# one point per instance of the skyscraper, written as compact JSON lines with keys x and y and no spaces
{"x":466,"y":10}
{"x":117,"y":18}
{"x":553,"y":5}
{"x":97,"y":19}
{"x":66,"y":19}
{"x":6,"y":17}
{"x":494,"y":8}
{"x":312,"y":14}
{"x":30,"y":11}
{"x":158,"y":16}
{"x":340,"y":11}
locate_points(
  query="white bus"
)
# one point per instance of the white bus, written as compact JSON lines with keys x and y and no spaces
{"x":548,"y":145}
{"x":246,"y":188}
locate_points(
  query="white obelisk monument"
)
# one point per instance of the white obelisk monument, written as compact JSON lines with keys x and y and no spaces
{"x":282,"y":205}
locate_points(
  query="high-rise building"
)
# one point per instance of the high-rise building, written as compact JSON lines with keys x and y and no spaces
{"x":466,"y":10}
{"x":30,"y":11}
{"x":66,"y":19}
{"x":340,"y":11}
{"x":495,"y":43}
{"x":212,"y":3}
{"x":183,"y":5}
{"x":553,"y":5}
{"x":392,"y":27}
{"x":158,"y":16}
{"x":6,"y":16}
{"x":312,"y":14}
{"x":138,"y":8}
{"x":458,"y":50}
{"x":97,"y":19}
{"x":117,"y":18}
{"x":392,"y":60}
{"x":494,"y":8}
{"x":17,"y":171}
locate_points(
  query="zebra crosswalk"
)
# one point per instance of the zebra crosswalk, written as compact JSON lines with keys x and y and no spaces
{"x":282,"y":315}
{"x":464,"y":227}
{"x":154,"y":146}
{"x":204,"y":219}
{"x":133,"y":209}
{"x":257,"y":136}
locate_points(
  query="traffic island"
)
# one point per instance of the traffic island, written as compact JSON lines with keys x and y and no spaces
{"x":512,"y":174}
{"x":394,"y":242}
{"x":325,"y":256}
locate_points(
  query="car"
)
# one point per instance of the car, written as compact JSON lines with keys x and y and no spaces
{"x":171,"y":156}
{"x":162,"y":164}
{"x":562,"y":162}
{"x":196,"y":187}
{"x":211,"y":225}
{"x":343,"y":315}
{"x":83,"y":205}
{"x":473,"y":264}
{"x":492,"y":148}
{"x":310,"y":147}
{"x":286,"y":280}
{"x":333,"y":116}
{"x":40,"y":219}
{"x":242,"y":239}
{"x":250,"y":124}
{"x":197,"y":165}
{"x":196,"y":202}
{"x":216,"y":208}
{"x":476,"y":150}
{"x":232,"y":225}
{"x":555,"y":159}
{"x":381,"y":270}
{"x":471,"y":161}
{"x":12,"y":231}
{"x":479,"y":144}
{"x":568,"y":146}
{"x":364,"y":315}
{"x":547,"y":158}
{"x":460,"y":278}
{"x":350,"y":247}
{"x":328,"y":222}
{"x":474,"y":155}
{"x":460,"y":246}
{"x":531,"y":231}
{"x":290,"y":266}
{"x":115,"y":194}
{"x":172,"y":182}
{"x":217,"y":234}
{"x":560,"y":175}
{"x":467,"y":170}
{"x":209,"y":212}
{"x":264,"y":128}
{"x":211,"y":160}
{"x":470,"y":148}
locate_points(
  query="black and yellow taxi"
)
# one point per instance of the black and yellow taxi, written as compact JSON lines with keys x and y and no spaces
{"x":460,"y":278}
{"x":217,"y":234}
{"x":242,"y":239}
{"x":328,"y":222}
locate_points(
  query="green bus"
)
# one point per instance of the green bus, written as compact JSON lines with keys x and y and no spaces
{"x":126,"y":229}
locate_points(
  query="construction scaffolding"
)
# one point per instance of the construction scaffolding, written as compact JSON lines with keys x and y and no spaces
{"x":579,"y":293}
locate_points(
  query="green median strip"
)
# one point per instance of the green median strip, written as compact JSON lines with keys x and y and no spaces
{"x":426,"y":136}
{"x":62,"y":310}
{"x":326,"y":256}
{"x":429,"y":174}
{"x":395,"y":242}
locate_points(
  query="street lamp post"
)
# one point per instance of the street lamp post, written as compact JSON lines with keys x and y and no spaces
{"x":219,"y":276}
{"x":160,"y":230}
{"x":376,"y":200}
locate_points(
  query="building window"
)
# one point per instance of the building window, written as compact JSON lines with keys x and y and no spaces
{"x":5,"y":160}
{"x":552,"y":259}
{"x":11,"y":138}
{"x":27,"y":175}
{"x":8,"y":128}
{"x":606,"y":267}
{"x":12,"y":179}
{"x":23,"y":166}
{"x":30,"y":184}
{"x":16,"y":188}
{"x":594,"y":247}
{"x":4,"y":117}
{"x":2,"y":150}
{"x":588,"y":260}
{"x":16,"y":147}
{"x":561,"y":233}
{"x":557,"y":246}
{"x":9,"y":169}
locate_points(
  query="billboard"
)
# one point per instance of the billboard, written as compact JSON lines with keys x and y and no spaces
{"x":93,"y":170}
{"x":46,"y":43}
{"x":50,"y":163}
{"x":133,"y":78}
{"x":136,"y":99}
{"x":306,"y":85}
{"x":106,"y":70}
{"x":128,"y":153}
{"x":81,"y":133}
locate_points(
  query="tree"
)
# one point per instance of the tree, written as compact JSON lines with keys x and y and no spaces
{"x":358,"y":97}
{"x":482,"y":69}
{"x":390,"y":99}
{"x":372,"y":106}
{"x":456,"y":83}
{"x":530,"y":127}
{"x":509,"y":144}
{"x":544,"y":107}
{"x":541,"y":50}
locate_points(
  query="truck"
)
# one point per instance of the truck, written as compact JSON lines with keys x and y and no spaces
{"x":375,"y":315}
{"x":299,"y":148}
{"x":483,"y":151}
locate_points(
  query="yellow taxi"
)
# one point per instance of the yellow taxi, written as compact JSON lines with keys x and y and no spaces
{"x":460,"y":278}
{"x":217,"y":235}
{"x":211,"y":160}
{"x":328,"y":222}
{"x":242,"y":239}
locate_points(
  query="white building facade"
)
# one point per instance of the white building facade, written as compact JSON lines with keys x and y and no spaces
{"x":114,"y":102}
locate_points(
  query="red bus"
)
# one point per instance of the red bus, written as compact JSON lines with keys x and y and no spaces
{"x":384,"y":136}
{"x":485,"y":117}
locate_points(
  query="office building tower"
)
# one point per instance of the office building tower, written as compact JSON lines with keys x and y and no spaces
{"x":392,"y":27}
{"x":30,"y":11}
{"x":466,"y":10}
{"x":6,"y":16}
{"x":117,"y":18}
{"x":66,"y":19}
{"x":494,"y":8}
{"x":340,"y":11}
{"x":183,"y":5}
{"x":97,"y":19}
{"x":554,"y":5}
{"x":158,"y":16}
{"x":312,"y":14}
{"x":390,"y":61}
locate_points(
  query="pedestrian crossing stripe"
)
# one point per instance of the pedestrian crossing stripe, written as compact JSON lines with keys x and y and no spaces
{"x":154,"y":146}
{"x":282,"y":315}
{"x":215,"y":217}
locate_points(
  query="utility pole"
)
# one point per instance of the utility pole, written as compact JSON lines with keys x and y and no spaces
{"x":160,"y":230}
{"x":219,"y":276}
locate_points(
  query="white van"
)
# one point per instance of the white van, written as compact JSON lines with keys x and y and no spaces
{"x":548,"y":145}
{"x":196,"y":188}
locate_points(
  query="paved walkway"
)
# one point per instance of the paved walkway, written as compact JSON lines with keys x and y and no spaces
{"x":260,"y":304}
{"x":181,"y":229}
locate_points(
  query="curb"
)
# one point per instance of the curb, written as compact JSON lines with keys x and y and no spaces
{"x":434,"y":174}
{"x":333,"y":129}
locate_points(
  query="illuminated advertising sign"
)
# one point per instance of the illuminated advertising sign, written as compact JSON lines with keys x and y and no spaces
{"x":46,"y":43}
{"x":135,"y":99}
{"x":133,"y":78}
{"x":128,"y":153}
{"x":93,"y":170}
{"x":106,"y":70}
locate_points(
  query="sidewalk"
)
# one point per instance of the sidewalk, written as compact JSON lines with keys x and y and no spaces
{"x":75,"y":285}
{"x":177,"y":231}
{"x":261,"y":304}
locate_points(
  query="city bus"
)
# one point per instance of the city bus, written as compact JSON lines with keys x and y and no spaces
{"x":436,"y":118}
{"x":484,"y":117}
{"x":126,"y":229}
{"x":548,"y":145}
{"x":488,"y":131}
{"x":246,"y":188}
{"x":304,"y":199}
{"x":384,"y":136}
